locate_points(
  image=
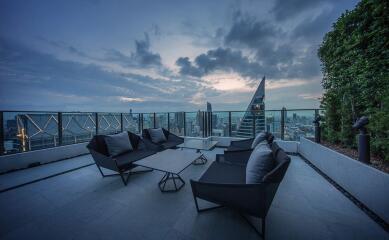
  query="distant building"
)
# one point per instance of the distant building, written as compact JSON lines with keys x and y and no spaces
{"x":209,"y":107}
{"x":255,"y":110}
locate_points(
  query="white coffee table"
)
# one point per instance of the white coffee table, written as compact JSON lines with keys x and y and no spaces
{"x":172,"y":163}
{"x":200,"y":145}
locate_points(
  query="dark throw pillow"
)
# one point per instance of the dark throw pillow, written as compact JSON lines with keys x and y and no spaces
{"x":157,"y":135}
{"x":118,"y":143}
{"x":260,"y":163}
{"x":259,"y":138}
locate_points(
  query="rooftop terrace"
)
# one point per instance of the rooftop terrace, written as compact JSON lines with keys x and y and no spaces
{"x":81,"y":205}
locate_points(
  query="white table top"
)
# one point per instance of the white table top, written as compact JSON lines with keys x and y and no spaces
{"x":170,"y":160}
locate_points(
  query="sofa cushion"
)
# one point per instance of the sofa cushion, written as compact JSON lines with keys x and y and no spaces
{"x":270,"y":138}
{"x":98,"y":144}
{"x":259,"y":138}
{"x":118,"y":143}
{"x":157,"y":135}
{"x":260,"y":163}
{"x":275,"y":148}
{"x":224,"y":173}
{"x":282,"y":161}
{"x":166,"y":132}
{"x":134,"y":139}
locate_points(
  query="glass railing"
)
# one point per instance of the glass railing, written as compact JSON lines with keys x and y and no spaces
{"x":26,"y":131}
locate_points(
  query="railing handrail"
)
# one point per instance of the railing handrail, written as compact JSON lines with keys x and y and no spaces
{"x":90,"y":123}
{"x":266,"y":110}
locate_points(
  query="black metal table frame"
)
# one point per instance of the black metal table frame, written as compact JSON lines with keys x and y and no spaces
{"x":173,"y":177}
{"x":200,"y":160}
{"x":170,"y":176}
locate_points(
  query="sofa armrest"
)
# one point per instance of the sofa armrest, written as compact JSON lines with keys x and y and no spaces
{"x":104,"y":161}
{"x":237,"y":157}
{"x":242,"y":143}
{"x":174,"y":137}
{"x":247,"y":198}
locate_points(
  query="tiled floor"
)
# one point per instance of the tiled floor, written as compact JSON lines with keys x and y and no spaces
{"x":82,"y":205}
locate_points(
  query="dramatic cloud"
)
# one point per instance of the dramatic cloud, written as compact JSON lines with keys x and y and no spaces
{"x":220,"y":59}
{"x":247,"y":31}
{"x":142,"y":57}
{"x":287,"y":9}
{"x":32,"y":80}
{"x":55,"y":58}
{"x":276,"y":53}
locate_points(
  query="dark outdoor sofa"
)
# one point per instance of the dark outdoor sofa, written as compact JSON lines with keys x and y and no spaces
{"x":122,"y":163}
{"x":239,"y":151}
{"x":224,"y":183}
{"x":172,"y":140}
{"x":245,"y":144}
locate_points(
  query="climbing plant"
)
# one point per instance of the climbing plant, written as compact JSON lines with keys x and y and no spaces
{"x":355,"y":66}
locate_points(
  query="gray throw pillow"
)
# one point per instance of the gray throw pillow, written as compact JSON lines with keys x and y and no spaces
{"x":259,"y":138}
{"x":260,"y":163}
{"x":118,"y":143}
{"x":157,"y":135}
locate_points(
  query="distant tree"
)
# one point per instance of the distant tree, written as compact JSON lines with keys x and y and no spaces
{"x":355,"y":66}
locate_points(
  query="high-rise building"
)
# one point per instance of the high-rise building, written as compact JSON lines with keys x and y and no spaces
{"x":209,"y":107}
{"x":255,"y":114}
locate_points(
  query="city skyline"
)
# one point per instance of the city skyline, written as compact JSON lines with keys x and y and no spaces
{"x":161,"y":56}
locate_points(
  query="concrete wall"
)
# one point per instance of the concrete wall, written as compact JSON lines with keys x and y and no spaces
{"x":224,"y":141}
{"x":22,"y":160}
{"x":288,"y":146}
{"x":367,"y":184}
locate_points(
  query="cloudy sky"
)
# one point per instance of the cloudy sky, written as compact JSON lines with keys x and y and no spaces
{"x":161,"y":55}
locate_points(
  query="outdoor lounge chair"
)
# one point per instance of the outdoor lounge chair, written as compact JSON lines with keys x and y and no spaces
{"x":240,"y":157}
{"x":122,"y":163}
{"x":172,"y":140}
{"x":245,"y":144}
{"x":225,"y":184}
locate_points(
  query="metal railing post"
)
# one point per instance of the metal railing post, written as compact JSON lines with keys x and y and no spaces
{"x":202,"y":118}
{"x":121,"y":122}
{"x":139,"y":123}
{"x":229,"y":124}
{"x":205,"y":124}
{"x":168,"y":122}
{"x":154,"y":120}
{"x":2,"y":148}
{"x":316,"y":113}
{"x":210,"y":122}
{"x":60,"y":129}
{"x":253,"y":123}
{"x":97,"y":123}
{"x":184,"y":123}
{"x":283,"y":123}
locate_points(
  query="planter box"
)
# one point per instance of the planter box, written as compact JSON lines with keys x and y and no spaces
{"x":367,"y":184}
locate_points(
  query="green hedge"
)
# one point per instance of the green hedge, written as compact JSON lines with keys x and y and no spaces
{"x":355,"y":65}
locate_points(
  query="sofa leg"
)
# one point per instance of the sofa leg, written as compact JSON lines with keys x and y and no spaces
{"x":263,"y":223}
{"x":209,"y":208}
{"x":102,"y":174}
{"x":263,"y":227}
{"x":199,"y":210}
{"x":124,"y":180}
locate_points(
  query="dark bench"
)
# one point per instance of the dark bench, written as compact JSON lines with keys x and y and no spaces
{"x":171,"y":143}
{"x":122,"y":163}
